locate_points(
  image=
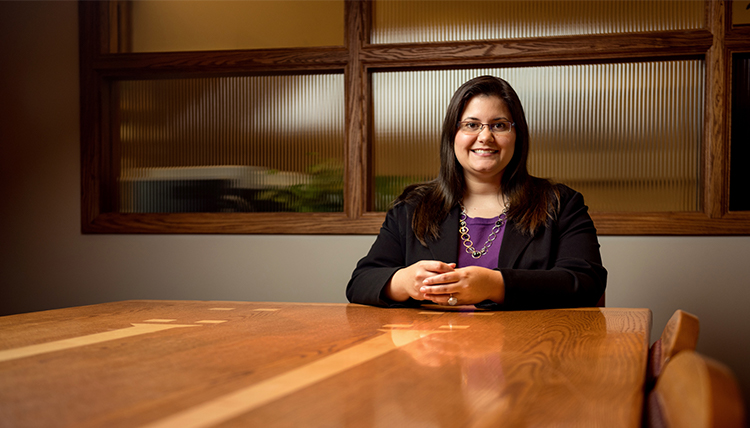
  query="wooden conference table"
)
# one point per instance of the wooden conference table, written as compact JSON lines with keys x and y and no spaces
{"x":240,"y":364}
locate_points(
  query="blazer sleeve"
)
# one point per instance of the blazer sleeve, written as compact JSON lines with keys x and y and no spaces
{"x":561,"y":265}
{"x":386,"y":256}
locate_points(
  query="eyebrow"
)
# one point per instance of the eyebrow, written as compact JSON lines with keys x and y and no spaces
{"x":495,"y":119}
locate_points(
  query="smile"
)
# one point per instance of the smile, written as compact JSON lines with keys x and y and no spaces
{"x":484,"y":151}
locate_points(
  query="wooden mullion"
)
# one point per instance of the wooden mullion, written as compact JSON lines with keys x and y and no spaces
{"x":738,"y":40}
{"x":664,"y":223}
{"x":222,"y":62}
{"x":737,"y":36}
{"x":667,"y":44}
{"x":355,"y":78}
{"x":715,"y":148}
{"x":368,"y":110}
{"x":111,"y":131}
{"x":607,"y":224}
{"x":275,"y":223}
{"x":93,"y":41}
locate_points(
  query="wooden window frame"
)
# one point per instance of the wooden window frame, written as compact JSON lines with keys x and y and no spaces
{"x":101,"y":66}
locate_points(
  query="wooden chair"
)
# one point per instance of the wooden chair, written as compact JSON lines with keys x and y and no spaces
{"x":694,"y":391}
{"x":680,"y":333}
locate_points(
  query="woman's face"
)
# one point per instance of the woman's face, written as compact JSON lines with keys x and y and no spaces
{"x":484,"y":156}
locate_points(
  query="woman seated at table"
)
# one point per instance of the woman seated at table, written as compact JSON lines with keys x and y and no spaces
{"x":484,"y":232}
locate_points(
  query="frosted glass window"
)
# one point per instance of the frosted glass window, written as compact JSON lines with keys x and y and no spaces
{"x":160,"y":26}
{"x":627,"y":136}
{"x":269,"y":143}
{"x":451,"y":20}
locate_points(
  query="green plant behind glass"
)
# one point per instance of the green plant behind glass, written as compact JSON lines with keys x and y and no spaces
{"x":323,"y":192}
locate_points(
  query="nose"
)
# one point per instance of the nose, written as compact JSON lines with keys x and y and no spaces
{"x":485,"y":133}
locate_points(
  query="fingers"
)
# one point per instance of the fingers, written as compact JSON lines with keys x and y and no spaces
{"x":407,"y":282}
{"x":437,"y":267}
{"x":437,"y":289}
{"x":468,"y":285}
{"x":443,"y":299}
{"x":445,"y":278}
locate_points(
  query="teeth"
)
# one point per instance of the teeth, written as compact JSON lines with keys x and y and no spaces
{"x":483,"y":151}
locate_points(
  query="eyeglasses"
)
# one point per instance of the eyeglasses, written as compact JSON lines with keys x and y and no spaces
{"x":473,"y":127}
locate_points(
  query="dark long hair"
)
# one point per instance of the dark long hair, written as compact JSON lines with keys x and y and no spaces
{"x":533,"y":201}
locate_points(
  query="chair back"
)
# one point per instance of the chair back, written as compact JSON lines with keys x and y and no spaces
{"x":694,"y":391}
{"x":680,"y":334}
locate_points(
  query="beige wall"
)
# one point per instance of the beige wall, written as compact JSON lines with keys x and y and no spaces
{"x":45,"y":262}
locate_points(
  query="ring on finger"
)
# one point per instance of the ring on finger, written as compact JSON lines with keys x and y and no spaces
{"x":452,"y":300}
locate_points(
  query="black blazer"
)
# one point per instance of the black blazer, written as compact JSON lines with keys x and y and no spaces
{"x":560,"y":266}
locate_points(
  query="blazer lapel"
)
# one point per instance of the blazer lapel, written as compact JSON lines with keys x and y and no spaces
{"x":513,"y":244}
{"x":445,"y":249}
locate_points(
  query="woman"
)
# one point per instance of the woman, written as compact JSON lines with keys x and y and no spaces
{"x":484,"y":232}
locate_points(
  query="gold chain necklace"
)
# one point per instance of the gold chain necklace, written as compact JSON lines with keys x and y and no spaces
{"x":463,"y":229}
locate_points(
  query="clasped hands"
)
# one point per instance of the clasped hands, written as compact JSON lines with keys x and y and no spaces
{"x":437,"y":281}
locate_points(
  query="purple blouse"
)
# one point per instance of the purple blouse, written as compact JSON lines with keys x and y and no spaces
{"x":479,"y":230}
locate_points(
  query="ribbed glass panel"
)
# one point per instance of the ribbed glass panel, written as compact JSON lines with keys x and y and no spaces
{"x":452,"y":20}
{"x":161,"y":26}
{"x":269,"y":143}
{"x":626,"y":135}
{"x":409,"y":109}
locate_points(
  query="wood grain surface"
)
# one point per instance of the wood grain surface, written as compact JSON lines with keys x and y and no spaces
{"x":237,"y":364}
